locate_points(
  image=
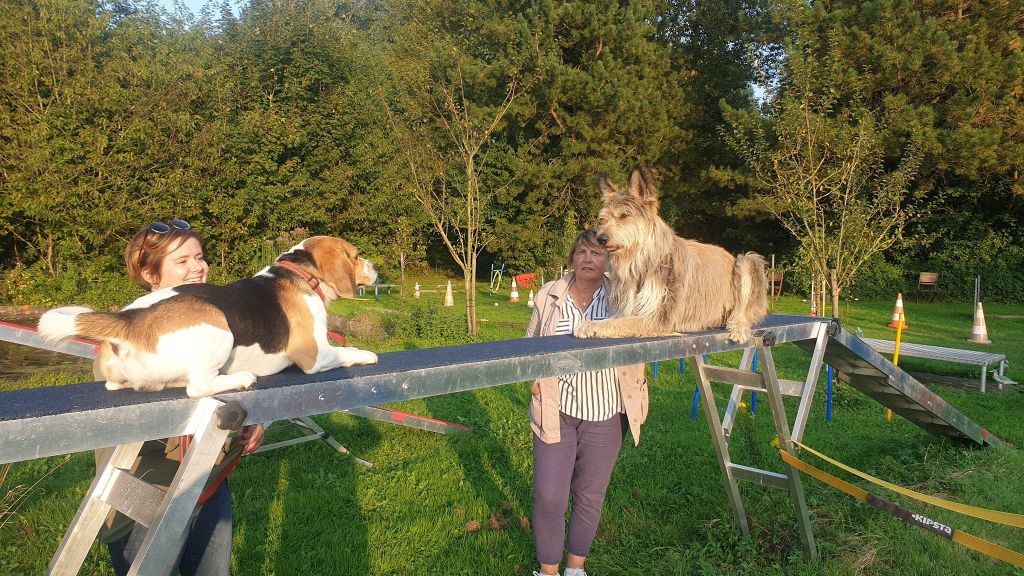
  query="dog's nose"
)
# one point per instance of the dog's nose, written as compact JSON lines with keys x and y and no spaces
{"x":602,"y":239}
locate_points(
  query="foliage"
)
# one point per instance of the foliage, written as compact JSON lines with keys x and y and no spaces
{"x":115,"y":114}
{"x":819,"y":161}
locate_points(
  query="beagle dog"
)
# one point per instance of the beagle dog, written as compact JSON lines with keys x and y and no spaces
{"x":211,"y":339}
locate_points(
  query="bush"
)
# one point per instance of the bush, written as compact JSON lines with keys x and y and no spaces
{"x":427,"y":320}
{"x":89,"y":283}
{"x":996,"y":257}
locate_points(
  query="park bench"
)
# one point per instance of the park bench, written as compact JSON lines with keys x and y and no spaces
{"x":973,"y":357}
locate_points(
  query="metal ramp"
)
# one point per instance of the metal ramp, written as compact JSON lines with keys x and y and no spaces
{"x":858,"y":364}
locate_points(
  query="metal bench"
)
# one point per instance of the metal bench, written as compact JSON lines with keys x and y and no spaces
{"x":983,"y":359}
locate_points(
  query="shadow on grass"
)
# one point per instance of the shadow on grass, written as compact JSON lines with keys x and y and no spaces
{"x":298,"y":507}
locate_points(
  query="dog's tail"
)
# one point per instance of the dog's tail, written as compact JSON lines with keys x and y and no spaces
{"x":62,"y":323}
{"x":750,"y":284}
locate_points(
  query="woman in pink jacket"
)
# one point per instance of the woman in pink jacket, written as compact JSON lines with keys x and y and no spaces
{"x":579,"y":420}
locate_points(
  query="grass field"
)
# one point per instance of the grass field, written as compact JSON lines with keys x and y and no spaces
{"x":435,"y":504}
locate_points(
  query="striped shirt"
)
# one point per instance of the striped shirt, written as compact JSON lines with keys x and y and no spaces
{"x":592,"y":396}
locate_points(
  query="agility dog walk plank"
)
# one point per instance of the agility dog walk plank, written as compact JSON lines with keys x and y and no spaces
{"x":41,"y":422}
{"x":34,"y":423}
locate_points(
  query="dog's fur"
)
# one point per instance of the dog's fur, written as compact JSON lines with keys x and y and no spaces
{"x":661,"y":283}
{"x":211,"y":339}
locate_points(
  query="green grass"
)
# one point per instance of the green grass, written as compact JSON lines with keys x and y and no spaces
{"x":308,"y":510}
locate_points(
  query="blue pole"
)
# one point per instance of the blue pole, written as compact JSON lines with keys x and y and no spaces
{"x":654,"y":366}
{"x":696,"y":394}
{"x":828,"y":394}
{"x":682,"y":366}
{"x":753,"y":395}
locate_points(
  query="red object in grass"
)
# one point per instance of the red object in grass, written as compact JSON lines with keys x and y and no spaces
{"x":339,"y":338}
{"x":527,"y":280}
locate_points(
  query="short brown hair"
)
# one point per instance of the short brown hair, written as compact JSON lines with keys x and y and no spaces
{"x":586,"y":238}
{"x":147,"y":249}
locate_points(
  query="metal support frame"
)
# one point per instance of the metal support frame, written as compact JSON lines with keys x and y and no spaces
{"x":24,"y":335}
{"x":766,"y":381}
{"x":164,"y":514}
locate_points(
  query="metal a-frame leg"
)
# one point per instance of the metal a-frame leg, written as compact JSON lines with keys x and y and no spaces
{"x":315,"y":432}
{"x":766,"y":381}
{"x":795,"y":485}
{"x":721,"y":445}
{"x":164,"y":514}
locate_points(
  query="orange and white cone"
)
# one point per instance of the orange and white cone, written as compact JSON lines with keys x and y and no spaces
{"x":529,"y":303}
{"x":416,"y":294}
{"x":979,"y":333}
{"x":897,"y":314}
{"x":449,"y":300}
{"x":513,"y":296}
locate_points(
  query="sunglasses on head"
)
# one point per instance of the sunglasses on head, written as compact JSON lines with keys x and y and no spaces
{"x":162,"y":228}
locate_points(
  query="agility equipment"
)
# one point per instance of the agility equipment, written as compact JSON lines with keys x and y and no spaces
{"x":34,"y":423}
{"x":449,"y":300}
{"x":898,"y":318}
{"x":416,"y":293}
{"x":27,"y":336}
{"x":513,"y":296}
{"x":973,"y":357}
{"x":529,"y":303}
{"x":979,"y":333}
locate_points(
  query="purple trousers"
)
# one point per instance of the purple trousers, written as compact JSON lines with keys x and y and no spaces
{"x":580,"y":465}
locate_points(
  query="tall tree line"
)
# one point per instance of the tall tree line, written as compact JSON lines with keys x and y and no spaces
{"x":314,"y":116}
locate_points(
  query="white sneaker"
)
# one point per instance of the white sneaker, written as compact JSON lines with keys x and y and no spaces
{"x":575,"y":572}
{"x":535,"y":573}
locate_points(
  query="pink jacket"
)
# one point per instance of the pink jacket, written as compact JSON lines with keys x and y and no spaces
{"x":544,"y":417}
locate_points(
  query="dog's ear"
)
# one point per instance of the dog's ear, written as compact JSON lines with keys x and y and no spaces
{"x":641,"y":186}
{"x":606,"y":186}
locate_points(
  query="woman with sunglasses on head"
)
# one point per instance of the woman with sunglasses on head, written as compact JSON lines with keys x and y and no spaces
{"x":164,"y":255}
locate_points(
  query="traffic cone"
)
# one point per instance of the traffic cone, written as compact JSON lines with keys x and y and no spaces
{"x":896,"y":312}
{"x":979,"y":334}
{"x":814,"y":306}
{"x":416,"y":294}
{"x":448,"y":299}
{"x":529,"y":303}
{"x":513,"y":296}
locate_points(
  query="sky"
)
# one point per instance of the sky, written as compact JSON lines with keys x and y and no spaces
{"x":193,"y":5}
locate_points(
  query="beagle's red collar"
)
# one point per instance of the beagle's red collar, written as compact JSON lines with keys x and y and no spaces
{"x":313,"y":282}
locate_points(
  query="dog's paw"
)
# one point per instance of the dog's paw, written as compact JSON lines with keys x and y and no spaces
{"x":740,"y":334}
{"x":244,"y":379}
{"x":355,"y":356}
{"x":586,"y":330}
{"x":111,"y":385}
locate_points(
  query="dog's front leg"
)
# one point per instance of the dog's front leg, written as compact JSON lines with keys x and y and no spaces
{"x":328,"y":357}
{"x":625,"y":327}
{"x":210,"y":381}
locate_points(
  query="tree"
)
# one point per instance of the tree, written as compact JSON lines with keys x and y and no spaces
{"x":451,"y":91}
{"x":944,"y":78}
{"x":822,"y":172}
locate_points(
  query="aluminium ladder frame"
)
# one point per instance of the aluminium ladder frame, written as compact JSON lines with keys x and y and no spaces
{"x":765,"y":381}
{"x":164,"y":514}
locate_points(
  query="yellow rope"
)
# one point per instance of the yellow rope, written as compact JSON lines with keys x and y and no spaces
{"x":963,"y":538}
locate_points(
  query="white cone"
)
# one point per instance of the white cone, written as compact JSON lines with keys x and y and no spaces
{"x":979,"y":333}
{"x":513,"y":296}
{"x":529,"y":303}
{"x":416,"y":294}
{"x":448,"y":299}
